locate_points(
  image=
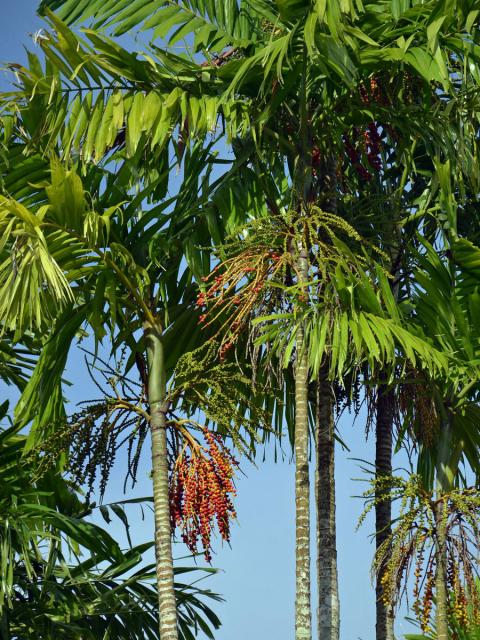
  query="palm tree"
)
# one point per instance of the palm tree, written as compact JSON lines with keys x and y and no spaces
{"x":442,"y":413}
{"x":82,"y":261}
{"x":455,"y":400}
{"x":44,"y":524}
{"x":271,"y":46}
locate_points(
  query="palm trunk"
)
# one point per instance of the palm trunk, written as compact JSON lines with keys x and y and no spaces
{"x":441,"y":595}
{"x":167,"y":605}
{"x":328,"y":626}
{"x":445,"y":484}
{"x":327,"y":576}
{"x":303,"y":615}
{"x":383,"y":508}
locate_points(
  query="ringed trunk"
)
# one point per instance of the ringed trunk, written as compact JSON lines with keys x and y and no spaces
{"x":327,"y":574}
{"x":303,"y":616}
{"x":441,"y":594}
{"x":156,"y":390}
{"x":445,"y":483}
{"x":383,"y":508}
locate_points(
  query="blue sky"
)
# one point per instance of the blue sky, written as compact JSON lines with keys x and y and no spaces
{"x":257,"y":572}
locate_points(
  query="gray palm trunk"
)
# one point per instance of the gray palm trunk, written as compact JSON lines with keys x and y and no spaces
{"x":385,"y":411}
{"x":327,"y":574}
{"x":441,"y":594}
{"x":383,"y":508}
{"x":444,"y":485}
{"x":328,"y":611}
{"x":303,"y":615}
{"x":167,"y":605}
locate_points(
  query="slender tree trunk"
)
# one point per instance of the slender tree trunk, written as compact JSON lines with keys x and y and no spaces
{"x":441,"y":595}
{"x":167,"y":605}
{"x":445,"y":483}
{"x":303,"y":615}
{"x":383,"y":508}
{"x":384,"y":621}
{"x":327,"y":576}
{"x":328,"y":624}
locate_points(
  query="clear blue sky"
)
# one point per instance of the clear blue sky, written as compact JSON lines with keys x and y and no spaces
{"x":257,"y":578}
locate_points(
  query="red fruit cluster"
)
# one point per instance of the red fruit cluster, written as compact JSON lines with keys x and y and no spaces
{"x":201,"y":300}
{"x":373,"y":93}
{"x":355,"y":159}
{"x":224,"y":349}
{"x":234,"y":288}
{"x":372,"y":146}
{"x":316,"y":158}
{"x":205,"y":297}
{"x":201,"y":491}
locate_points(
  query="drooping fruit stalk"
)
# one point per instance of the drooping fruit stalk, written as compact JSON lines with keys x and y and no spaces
{"x":201,"y":491}
{"x":156,"y":391}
